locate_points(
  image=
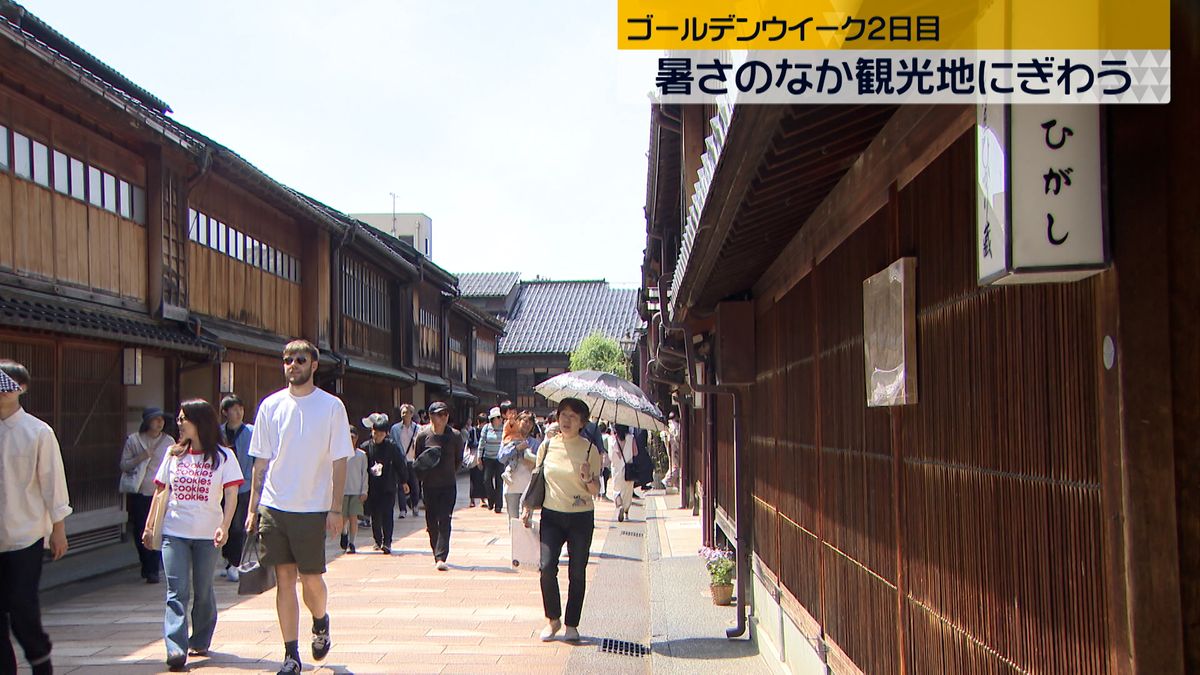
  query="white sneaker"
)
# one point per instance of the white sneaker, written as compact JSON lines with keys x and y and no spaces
{"x":442,"y":566}
{"x":232,"y":574}
{"x":551,"y":630}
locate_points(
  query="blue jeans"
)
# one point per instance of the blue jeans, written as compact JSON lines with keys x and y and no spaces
{"x":189,"y":564}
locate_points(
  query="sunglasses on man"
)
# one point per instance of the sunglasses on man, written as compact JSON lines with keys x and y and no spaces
{"x":298,"y":360}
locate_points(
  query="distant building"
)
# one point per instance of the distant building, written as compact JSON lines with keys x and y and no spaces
{"x":414,"y":229}
{"x":545,"y":321}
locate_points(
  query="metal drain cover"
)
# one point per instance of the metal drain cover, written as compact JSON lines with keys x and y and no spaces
{"x":627,"y":533}
{"x":623,"y":648}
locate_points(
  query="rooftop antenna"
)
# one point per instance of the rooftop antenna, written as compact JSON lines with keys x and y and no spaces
{"x":393,"y":194}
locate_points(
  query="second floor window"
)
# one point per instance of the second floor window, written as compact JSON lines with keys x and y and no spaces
{"x":430,"y":327}
{"x":365,"y":295}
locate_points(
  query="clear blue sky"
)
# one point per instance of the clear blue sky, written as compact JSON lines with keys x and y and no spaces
{"x":517,"y":126}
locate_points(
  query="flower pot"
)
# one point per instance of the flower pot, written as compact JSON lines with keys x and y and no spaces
{"x":722,"y":594}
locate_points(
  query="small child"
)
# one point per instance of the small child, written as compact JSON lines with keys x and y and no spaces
{"x":356,"y":493}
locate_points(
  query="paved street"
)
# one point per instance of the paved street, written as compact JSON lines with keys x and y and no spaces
{"x":398,"y":614}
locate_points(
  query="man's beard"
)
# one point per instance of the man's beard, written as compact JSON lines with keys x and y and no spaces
{"x":300,"y":379}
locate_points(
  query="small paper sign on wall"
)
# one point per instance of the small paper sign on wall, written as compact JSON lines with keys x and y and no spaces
{"x":890,"y":334}
{"x":1039,"y":194}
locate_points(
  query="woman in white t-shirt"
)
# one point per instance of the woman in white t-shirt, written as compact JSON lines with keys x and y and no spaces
{"x":199,"y":472}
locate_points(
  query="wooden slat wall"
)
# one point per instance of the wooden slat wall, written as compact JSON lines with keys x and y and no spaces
{"x":999,"y":508}
{"x":230,"y":289}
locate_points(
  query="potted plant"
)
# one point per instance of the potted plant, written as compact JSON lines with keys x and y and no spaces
{"x":721,"y":567}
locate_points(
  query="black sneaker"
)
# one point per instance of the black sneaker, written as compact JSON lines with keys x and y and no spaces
{"x":291,"y":666}
{"x":387,"y":550}
{"x":345,"y":542}
{"x":351,"y":549}
{"x":177,"y":663}
{"x":321,"y":642}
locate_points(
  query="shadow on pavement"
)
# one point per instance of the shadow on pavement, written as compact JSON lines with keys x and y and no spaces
{"x":705,"y":648}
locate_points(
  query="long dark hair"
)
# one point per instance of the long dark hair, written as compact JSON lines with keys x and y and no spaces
{"x":202,"y":416}
{"x":622,"y":431}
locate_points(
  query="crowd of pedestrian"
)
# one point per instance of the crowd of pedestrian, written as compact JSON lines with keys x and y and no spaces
{"x":279,"y":486}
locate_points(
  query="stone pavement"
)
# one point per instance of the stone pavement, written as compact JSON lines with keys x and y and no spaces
{"x":398,"y":614}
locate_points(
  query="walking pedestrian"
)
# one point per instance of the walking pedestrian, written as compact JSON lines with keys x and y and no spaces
{"x":571,"y":467}
{"x":489,"y":451}
{"x":140,"y":458}
{"x":520,"y":469}
{"x":475,"y":465}
{"x":237,"y":436}
{"x":356,"y":493}
{"x":198,"y":475}
{"x":33,"y":494}
{"x":387,"y":475}
{"x":300,"y":448}
{"x":403,"y":433}
{"x":622,"y":449}
{"x":439,"y":483}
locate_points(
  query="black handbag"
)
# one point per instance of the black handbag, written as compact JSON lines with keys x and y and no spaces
{"x":431,"y":457}
{"x":253,"y":577}
{"x":535,"y":493}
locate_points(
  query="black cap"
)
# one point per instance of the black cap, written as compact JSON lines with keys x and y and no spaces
{"x":438,"y":407}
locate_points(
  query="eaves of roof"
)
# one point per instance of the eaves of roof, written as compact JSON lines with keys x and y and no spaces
{"x":143,"y":114}
{"x":477,"y":315}
{"x":47,"y":35}
{"x":60,"y":315}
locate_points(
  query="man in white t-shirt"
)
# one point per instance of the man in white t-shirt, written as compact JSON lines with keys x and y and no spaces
{"x":300,"y":446}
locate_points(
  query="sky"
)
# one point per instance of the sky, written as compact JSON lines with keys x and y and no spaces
{"x":517,"y":127}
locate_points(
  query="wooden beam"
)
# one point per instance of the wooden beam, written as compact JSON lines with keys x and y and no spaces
{"x":911,"y":139}
{"x":750,"y":133}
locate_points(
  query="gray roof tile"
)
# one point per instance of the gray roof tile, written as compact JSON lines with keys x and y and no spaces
{"x":553,"y":316}
{"x":487,"y":284}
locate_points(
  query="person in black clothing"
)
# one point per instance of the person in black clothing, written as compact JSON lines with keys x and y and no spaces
{"x":387,"y":472}
{"x":438,"y":483}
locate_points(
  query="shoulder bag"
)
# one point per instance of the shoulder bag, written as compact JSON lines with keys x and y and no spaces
{"x":535,"y":495}
{"x":131,"y":481}
{"x":156,"y":517}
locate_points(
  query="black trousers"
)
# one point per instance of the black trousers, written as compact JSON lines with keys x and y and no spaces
{"x":20,"y":612}
{"x":477,"y":491}
{"x":379,"y":507}
{"x":439,"y":506}
{"x":575,"y":530}
{"x":493,"y":483}
{"x":232,"y":551}
{"x":409,"y":500}
{"x":138,"y":506}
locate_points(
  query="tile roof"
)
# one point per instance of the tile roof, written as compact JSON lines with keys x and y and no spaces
{"x":553,"y":316}
{"x":64,"y":316}
{"x":487,"y":284}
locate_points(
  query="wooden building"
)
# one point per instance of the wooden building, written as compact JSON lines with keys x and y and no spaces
{"x":1035,"y":509}
{"x":142,"y":264}
{"x":544,"y":322}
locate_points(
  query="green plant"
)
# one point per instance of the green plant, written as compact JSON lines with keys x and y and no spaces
{"x":599,"y":352}
{"x":720,"y":565}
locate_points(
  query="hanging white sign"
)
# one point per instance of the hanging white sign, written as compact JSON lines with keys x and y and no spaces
{"x":1039,"y":194}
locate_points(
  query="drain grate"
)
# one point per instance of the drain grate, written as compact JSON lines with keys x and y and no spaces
{"x":623,"y":648}
{"x":627,"y":533}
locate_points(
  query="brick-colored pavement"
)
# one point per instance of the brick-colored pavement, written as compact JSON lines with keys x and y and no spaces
{"x":389,"y":614}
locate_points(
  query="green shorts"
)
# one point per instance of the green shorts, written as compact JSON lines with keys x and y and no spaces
{"x":352,"y":506}
{"x":293,"y":538}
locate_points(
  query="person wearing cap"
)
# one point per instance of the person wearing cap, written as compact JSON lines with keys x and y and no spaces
{"x":489,"y":451}
{"x":34,"y":499}
{"x":387,"y":474}
{"x":439,"y":483}
{"x":140,"y":458}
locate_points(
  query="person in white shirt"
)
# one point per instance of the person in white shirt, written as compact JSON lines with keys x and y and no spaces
{"x":300,"y":446}
{"x":356,"y":493}
{"x":403,"y":434}
{"x":33,"y":494}
{"x":195,"y":478}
